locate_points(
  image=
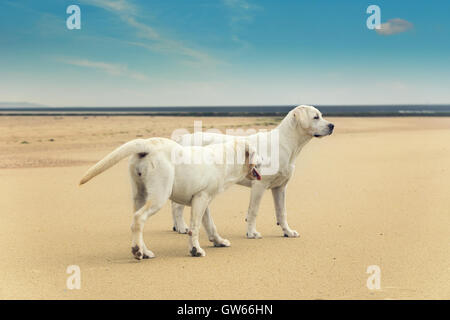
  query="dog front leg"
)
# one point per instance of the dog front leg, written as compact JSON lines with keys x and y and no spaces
{"x":279,"y":199}
{"x":199,"y":204}
{"x":211,"y":230}
{"x":178,"y":222}
{"x":255,"y":199}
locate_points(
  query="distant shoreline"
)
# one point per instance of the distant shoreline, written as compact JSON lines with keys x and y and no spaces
{"x":233,"y":111}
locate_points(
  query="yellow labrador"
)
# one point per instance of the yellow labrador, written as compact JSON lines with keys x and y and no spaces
{"x":161,"y":169}
{"x":299,"y":126}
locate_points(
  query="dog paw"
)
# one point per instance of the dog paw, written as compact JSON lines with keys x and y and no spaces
{"x":291,"y":234}
{"x":254,"y":235}
{"x":182,"y":230}
{"x":141,"y":253}
{"x":222,"y":243}
{"x":137,"y":252}
{"x":148,"y":254}
{"x":197,"y":252}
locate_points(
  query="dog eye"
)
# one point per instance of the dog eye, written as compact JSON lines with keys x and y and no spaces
{"x":316,"y":117}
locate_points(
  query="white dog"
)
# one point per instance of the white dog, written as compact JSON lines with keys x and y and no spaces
{"x":161,"y":169}
{"x":294,"y":132}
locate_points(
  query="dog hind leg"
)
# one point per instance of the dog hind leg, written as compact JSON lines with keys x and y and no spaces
{"x":158,"y":188}
{"x":139,"y":195}
{"x":138,"y":247}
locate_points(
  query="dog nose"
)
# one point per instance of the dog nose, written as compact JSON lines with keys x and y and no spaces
{"x":331,"y":127}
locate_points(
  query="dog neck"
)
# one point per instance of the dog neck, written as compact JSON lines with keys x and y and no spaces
{"x":233,"y":171}
{"x":293,"y":139}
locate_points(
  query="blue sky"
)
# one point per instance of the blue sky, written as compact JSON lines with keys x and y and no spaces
{"x":224,"y":52}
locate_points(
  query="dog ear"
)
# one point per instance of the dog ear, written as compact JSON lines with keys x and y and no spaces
{"x":301,"y":117}
{"x":250,"y":154}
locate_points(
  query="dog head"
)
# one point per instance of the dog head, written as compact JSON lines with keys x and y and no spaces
{"x":309,"y":120}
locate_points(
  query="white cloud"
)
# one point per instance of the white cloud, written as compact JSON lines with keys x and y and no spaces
{"x":109,"y":68}
{"x":241,"y":12}
{"x":127,"y":12}
{"x":197,"y":58}
{"x":113,"y":5}
{"x":145,"y":31}
{"x":394,"y":26}
{"x":238,"y":4}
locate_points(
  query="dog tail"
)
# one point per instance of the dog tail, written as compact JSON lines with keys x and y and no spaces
{"x":140,"y":146}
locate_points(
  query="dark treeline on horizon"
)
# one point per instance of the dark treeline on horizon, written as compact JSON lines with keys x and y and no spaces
{"x":329,"y":110}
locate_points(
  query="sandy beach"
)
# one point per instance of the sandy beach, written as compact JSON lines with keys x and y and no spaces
{"x":376,"y":192}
